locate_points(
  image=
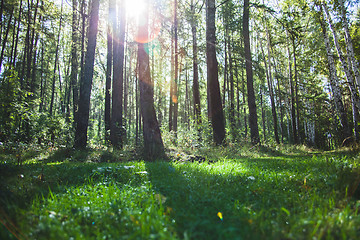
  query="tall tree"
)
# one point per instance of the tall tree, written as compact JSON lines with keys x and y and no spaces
{"x":196,"y":92}
{"x":74,"y":58}
{"x":176,"y":70}
{"x":349,"y":44}
{"x":253,"y":120}
{"x":334,"y":81}
{"x":109,"y":61}
{"x":216,"y":114}
{"x":86,"y":79}
{"x":116,"y":129}
{"x":355,"y":100}
{"x":56,"y":63}
{"x":153,"y":144}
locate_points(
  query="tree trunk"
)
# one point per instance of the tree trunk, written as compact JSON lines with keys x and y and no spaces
{"x":171,"y":105}
{"x":176,"y":69}
{"x":196,"y":91}
{"x":5,"y":38}
{"x":232,"y":92}
{"x":116,"y":131}
{"x":334,"y":82}
{"x":349,"y":45}
{"x":17,"y":35}
{"x":86,"y":79}
{"x":216,"y":113}
{"x":83,"y":14}
{"x":153,"y":144}
{"x":292,"y":99}
{"x":268,"y":72}
{"x":55,"y":65}
{"x":109,"y":61}
{"x":253,"y":122}
{"x":74,"y":59}
{"x":126,"y":93}
{"x":355,"y":100}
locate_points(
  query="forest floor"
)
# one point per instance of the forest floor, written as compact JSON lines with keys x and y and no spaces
{"x":208,"y":193}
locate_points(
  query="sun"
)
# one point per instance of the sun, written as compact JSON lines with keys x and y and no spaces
{"x":134,"y":8}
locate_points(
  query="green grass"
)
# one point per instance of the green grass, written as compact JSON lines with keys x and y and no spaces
{"x":269,"y":193}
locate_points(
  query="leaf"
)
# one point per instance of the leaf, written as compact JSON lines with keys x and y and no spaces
{"x":219,"y":214}
{"x":286,"y":211}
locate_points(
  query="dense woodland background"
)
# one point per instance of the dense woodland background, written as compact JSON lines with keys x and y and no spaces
{"x":187,"y":72}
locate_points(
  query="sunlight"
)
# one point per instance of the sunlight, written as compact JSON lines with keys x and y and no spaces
{"x":134,"y":8}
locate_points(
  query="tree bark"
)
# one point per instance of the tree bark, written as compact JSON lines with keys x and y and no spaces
{"x":117,"y":131}
{"x":268,"y":72}
{"x":253,"y":119}
{"x":232,"y":92}
{"x":292,"y":99}
{"x":86,"y":79}
{"x":5,"y":38}
{"x":55,"y":64}
{"x":74,"y":59}
{"x":176,"y":71}
{"x":216,"y":113}
{"x":349,"y":45}
{"x":17,"y":35}
{"x":153,"y":144}
{"x":196,"y":91}
{"x":172,"y":82}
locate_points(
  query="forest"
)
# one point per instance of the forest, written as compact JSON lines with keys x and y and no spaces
{"x":179,"y":119}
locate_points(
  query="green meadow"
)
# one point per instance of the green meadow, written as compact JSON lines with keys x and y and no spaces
{"x":216,"y":193}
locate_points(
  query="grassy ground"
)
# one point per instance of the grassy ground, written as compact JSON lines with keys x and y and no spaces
{"x":233,"y":193}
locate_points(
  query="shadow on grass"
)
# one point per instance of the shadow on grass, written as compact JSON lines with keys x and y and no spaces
{"x":195,"y":205}
{"x":62,"y":170}
{"x":255,"y":196}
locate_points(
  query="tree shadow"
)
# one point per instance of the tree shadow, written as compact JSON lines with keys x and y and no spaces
{"x":195,"y":200}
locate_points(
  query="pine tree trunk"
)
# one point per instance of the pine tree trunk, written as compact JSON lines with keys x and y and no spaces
{"x":86,"y":79}
{"x":109,"y":61}
{"x":176,"y":73}
{"x":232,"y":92}
{"x":214,"y":98}
{"x":253,"y":122}
{"x":83,"y":14}
{"x":74,"y":59}
{"x":153,"y":144}
{"x":171,"y":102}
{"x":116,"y":131}
{"x":196,"y":91}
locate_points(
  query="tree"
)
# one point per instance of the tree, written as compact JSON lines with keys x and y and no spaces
{"x":116,"y":129}
{"x":196,"y":92}
{"x":216,"y":114}
{"x":74,"y":58}
{"x":153,"y":144}
{"x":253,"y":123}
{"x":355,"y":100}
{"x":86,"y":78}
{"x":334,"y":81}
